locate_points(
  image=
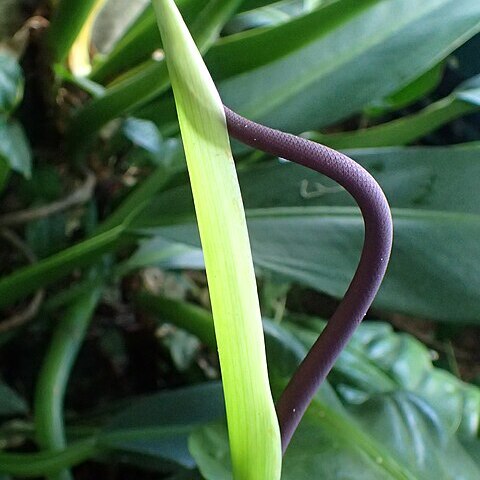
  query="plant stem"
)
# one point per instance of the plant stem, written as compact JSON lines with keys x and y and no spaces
{"x":47,"y":463}
{"x":52,"y":383}
{"x":196,"y":320}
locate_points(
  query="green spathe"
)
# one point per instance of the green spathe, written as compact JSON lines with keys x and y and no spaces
{"x":253,"y":427}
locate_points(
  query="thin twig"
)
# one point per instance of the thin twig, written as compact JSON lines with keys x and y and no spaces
{"x":31,"y":310}
{"x":79,"y":196}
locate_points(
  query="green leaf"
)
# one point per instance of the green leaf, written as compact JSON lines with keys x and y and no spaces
{"x":140,"y":41}
{"x":113,"y":20}
{"x":11,"y":403}
{"x":412,"y":92}
{"x":436,"y":217}
{"x":402,"y":427}
{"x":469,"y":91}
{"x":143,"y":134}
{"x":11,"y":82}
{"x":186,"y":316}
{"x":150,"y":81}
{"x":158,"y":252}
{"x":464,"y":100}
{"x":380,"y":361}
{"x":47,"y":462}
{"x":14,"y":149}
{"x":28,"y":279}
{"x":159,"y":425}
{"x":330,"y":70}
{"x":46,"y":236}
{"x":67,"y":22}
{"x":255,"y":444}
{"x":319,"y":247}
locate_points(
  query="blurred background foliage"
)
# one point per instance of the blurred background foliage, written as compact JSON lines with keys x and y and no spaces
{"x":102,"y":289}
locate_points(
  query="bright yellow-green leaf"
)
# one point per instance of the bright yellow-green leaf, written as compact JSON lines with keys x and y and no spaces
{"x":253,"y":426}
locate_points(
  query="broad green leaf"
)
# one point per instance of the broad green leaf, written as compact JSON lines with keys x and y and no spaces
{"x":380,"y":361}
{"x":255,"y":444}
{"x":320,"y":246}
{"x":419,"y":183}
{"x":402,"y":427}
{"x":331,"y":68}
{"x":11,"y":82}
{"x":426,"y":178}
{"x":373,"y":37}
{"x":14,"y":148}
{"x":159,"y":425}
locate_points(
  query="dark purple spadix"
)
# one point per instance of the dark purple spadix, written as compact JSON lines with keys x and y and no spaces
{"x":370,"y":271}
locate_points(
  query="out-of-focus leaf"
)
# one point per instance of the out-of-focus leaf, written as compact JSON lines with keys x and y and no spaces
{"x":11,"y":403}
{"x":469,"y":91}
{"x":158,"y":252}
{"x":10,"y":19}
{"x":66,"y":24}
{"x":113,"y":20}
{"x":11,"y":82}
{"x":186,"y":316}
{"x":140,"y":40}
{"x":150,"y":81}
{"x":159,"y":425}
{"x":28,"y":279}
{"x":47,"y":236}
{"x":143,"y":134}
{"x":14,"y":149}
{"x":267,"y":16}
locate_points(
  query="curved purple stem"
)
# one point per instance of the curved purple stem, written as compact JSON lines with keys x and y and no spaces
{"x":370,"y":271}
